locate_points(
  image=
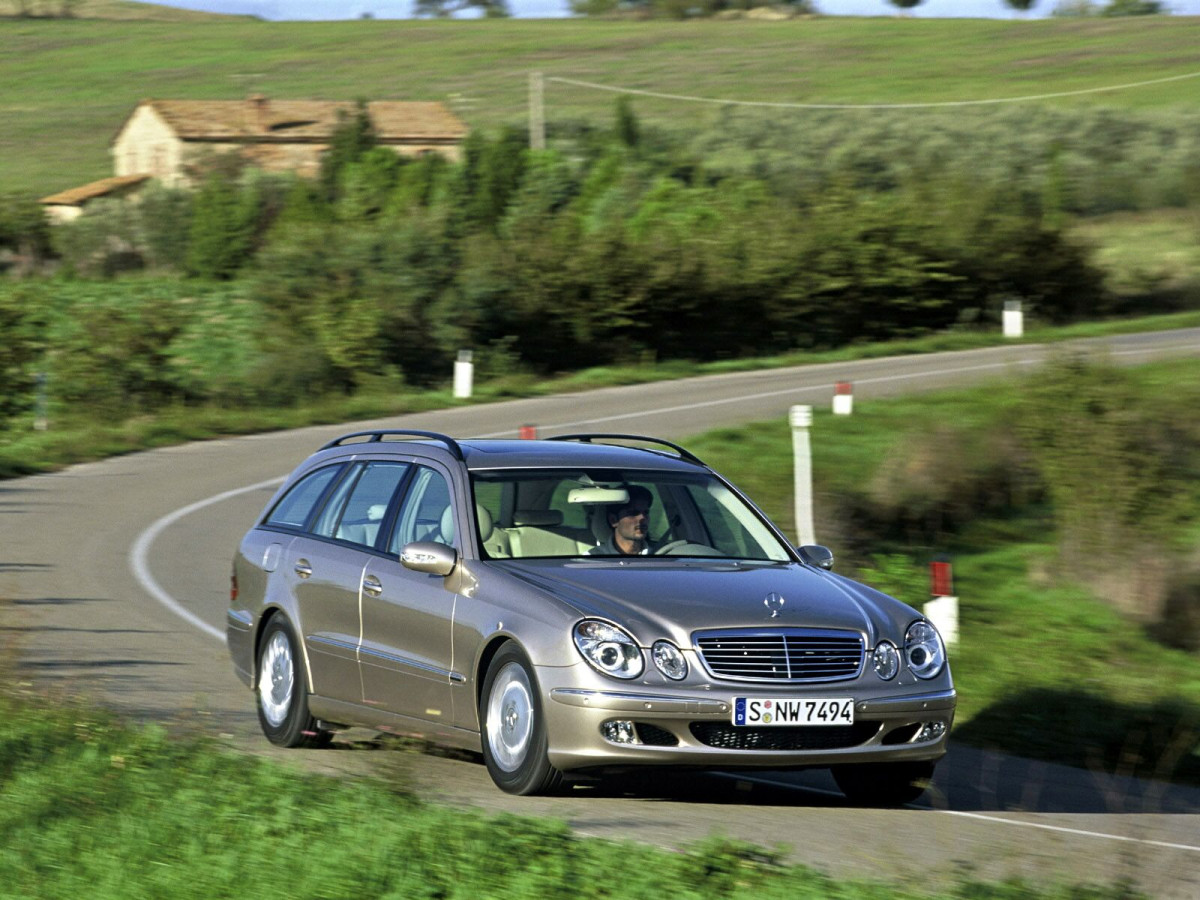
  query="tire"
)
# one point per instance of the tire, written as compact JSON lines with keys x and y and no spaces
{"x":883,"y":784}
{"x":281,"y":689}
{"x":514,"y":728}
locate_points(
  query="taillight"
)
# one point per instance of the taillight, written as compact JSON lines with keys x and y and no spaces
{"x":233,"y":589}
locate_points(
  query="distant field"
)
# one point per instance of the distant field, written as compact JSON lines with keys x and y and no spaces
{"x":69,"y":84}
{"x":124,"y":10}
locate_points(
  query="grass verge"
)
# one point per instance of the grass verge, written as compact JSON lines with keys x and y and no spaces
{"x":89,"y":806}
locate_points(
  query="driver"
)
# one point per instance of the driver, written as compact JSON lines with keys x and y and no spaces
{"x":630,"y":524}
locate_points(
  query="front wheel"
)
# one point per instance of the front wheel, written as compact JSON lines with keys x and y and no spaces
{"x":883,"y":784}
{"x":514,"y":729}
{"x":282,"y":689}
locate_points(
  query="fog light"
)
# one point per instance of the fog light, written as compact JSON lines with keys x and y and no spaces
{"x":931,"y":731}
{"x":619,"y":731}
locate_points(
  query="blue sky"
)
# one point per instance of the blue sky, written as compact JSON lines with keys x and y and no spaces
{"x":400,"y":9}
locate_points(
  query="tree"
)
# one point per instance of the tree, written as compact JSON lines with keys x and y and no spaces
{"x":445,"y":9}
{"x":906,"y":4}
{"x":627,"y":123}
{"x":219,"y":240}
{"x":21,"y":345}
{"x":23,"y":229}
{"x":1132,"y":8}
{"x":1021,"y":5}
{"x":351,"y":139}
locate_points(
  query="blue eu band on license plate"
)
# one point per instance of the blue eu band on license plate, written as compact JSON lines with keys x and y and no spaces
{"x":753,"y":711}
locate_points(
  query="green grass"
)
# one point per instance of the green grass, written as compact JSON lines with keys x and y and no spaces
{"x":90,"y":807}
{"x":70,"y":84}
{"x":24,"y":451}
{"x":119,"y":10}
{"x":1147,"y":254}
{"x":1044,"y":668}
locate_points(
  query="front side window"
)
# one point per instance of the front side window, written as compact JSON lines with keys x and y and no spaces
{"x":599,"y":513}
{"x":426,"y":514}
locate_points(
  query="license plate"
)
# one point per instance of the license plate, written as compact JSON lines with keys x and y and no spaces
{"x":817,"y":711}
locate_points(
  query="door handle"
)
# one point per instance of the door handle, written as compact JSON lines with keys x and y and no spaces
{"x":303,"y":569}
{"x":372,"y":585}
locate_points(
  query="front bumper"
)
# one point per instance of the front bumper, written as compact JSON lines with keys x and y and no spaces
{"x":689,"y":730}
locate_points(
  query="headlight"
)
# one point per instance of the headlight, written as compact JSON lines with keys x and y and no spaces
{"x":923,"y":650}
{"x":669,"y":660}
{"x":886,"y":660}
{"x":609,"y":649}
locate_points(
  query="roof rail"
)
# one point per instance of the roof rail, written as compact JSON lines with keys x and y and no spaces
{"x":589,"y":438}
{"x":374,"y":437}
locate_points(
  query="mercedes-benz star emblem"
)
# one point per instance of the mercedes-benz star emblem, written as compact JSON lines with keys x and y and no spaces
{"x":774,"y":603}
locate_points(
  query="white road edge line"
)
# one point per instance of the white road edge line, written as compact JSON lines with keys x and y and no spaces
{"x":970,"y":815}
{"x":140,"y":551}
{"x":1077,"y":831}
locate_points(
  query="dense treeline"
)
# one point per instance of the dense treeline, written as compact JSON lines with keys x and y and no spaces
{"x":619,"y":245}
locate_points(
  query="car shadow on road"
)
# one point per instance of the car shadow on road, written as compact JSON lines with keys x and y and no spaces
{"x":59,"y":601}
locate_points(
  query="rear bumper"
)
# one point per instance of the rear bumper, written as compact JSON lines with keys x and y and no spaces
{"x":239,"y":638}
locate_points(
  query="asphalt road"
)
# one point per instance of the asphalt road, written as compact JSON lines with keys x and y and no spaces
{"x":116,"y":574}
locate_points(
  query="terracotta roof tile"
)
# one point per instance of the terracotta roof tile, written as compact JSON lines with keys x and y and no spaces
{"x":262,"y":119}
{"x":77,"y":195}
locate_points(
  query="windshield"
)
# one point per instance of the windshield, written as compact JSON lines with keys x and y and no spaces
{"x":526,"y":514}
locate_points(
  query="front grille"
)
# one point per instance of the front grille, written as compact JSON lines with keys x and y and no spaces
{"x":653,"y":736}
{"x":785,"y":654}
{"x":800,"y":737}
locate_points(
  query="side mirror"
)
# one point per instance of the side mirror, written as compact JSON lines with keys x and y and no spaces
{"x":429,"y":557}
{"x":816,"y":555}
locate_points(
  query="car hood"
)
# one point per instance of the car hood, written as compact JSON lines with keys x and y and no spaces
{"x":658,"y":598}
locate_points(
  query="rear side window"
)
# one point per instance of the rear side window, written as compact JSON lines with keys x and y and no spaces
{"x":295,"y":507}
{"x":355,"y":512}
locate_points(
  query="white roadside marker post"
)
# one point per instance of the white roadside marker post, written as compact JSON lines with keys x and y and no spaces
{"x":464,"y":374}
{"x":942,"y":610}
{"x":843,"y":398}
{"x":1014,"y":319}
{"x":800,"y":418}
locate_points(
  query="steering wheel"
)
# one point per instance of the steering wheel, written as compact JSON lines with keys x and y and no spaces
{"x":688,"y":548}
{"x":668,"y":547}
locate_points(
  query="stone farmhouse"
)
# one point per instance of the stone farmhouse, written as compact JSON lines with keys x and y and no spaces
{"x":163,"y":139}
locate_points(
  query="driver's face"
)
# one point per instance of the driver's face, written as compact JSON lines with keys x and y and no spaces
{"x":633,"y":521}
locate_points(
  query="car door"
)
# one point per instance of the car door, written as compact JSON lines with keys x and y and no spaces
{"x":326,"y":570}
{"x":406,"y":649}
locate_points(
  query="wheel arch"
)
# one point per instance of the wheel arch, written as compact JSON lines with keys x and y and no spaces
{"x":485,"y":660}
{"x":268,"y":616}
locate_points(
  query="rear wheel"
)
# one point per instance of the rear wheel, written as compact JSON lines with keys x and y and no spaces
{"x":883,"y":784}
{"x":514,"y":729}
{"x":282,"y":689}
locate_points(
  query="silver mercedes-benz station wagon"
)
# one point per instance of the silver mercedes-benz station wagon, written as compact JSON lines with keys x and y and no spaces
{"x":571,"y":605}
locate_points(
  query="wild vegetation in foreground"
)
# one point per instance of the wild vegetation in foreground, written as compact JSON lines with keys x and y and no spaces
{"x":92,"y":807}
{"x":1069,"y":505}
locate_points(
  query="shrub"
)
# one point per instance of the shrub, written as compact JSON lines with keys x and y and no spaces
{"x":1121,"y":476}
{"x":22,"y":343}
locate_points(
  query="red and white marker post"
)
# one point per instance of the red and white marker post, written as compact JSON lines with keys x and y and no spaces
{"x":942,"y":610}
{"x":843,"y":398}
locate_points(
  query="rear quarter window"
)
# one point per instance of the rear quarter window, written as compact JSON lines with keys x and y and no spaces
{"x":295,"y":507}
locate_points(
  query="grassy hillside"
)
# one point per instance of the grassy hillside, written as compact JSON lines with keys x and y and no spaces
{"x":121,"y":10}
{"x":69,"y":84}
